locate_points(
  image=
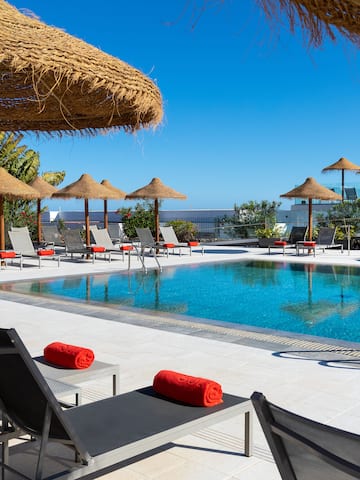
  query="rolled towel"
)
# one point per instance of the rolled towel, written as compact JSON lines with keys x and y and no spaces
{"x":69,"y":356}
{"x":187,"y":389}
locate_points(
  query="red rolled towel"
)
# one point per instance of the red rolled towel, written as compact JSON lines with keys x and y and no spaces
{"x":45,"y":252}
{"x":187,"y":389}
{"x":69,"y":356}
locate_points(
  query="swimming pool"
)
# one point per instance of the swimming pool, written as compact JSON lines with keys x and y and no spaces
{"x":320,"y":300}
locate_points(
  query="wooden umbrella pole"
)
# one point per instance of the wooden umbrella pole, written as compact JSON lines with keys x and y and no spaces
{"x":39,"y":219}
{"x":343,"y":184}
{"x":87,"y":223}
{"x":106,"y":219}
{"x":157,"y":221}
{"x":310,"y":219}
{"x":2,"y":224}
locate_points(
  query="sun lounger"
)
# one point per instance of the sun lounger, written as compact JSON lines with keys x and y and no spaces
{"x":170,"y":238}
{"x":147,"y":243}
{"x":297,"y":234}
{"x":305,"y":449}
{"x":23,"y":246}
{"x":102,"y":433}
{"x":75,"y":245}
{"x":52,"y":236}
{"x":325,"y":239}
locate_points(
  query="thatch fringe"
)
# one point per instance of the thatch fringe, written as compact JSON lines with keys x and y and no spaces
{"x":53,"y":82}
{"x":318,"y":18}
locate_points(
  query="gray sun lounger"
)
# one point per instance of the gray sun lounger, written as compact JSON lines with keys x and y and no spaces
{"x":21,"y":243}
{"x":169,"y":236}
{"x":325,"y":239}
{"x":102,"y":433}
{"x":75,"y":245}
{"x":297,"y":234}
{"x":305,"y":449}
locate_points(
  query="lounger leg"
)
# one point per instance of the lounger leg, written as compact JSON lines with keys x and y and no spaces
{"x":248,"y":433}
{"x":43,"y":442}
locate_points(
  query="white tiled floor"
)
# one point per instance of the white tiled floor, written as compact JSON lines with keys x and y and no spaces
{"x":328,"y":392}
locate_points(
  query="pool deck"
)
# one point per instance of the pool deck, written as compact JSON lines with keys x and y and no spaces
{"x":309,"y":376}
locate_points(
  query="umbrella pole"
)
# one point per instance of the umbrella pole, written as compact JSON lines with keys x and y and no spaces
{"x":157,"y":222}
{"x":106,"y":220}
{"x":39,"y":219}
{"x":310,"y":220}
{"x":87,"y":223}
{"x":342,"y":184}
{"x":2,"y":224}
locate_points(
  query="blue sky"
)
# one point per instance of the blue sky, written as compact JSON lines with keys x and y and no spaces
{"x":249,"y":110}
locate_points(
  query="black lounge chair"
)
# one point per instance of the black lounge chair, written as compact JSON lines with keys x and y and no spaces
{"x":103,"y":433}
{"x":297,"y":234}
{"x":304,"y":449}
{"x":325,"y":239}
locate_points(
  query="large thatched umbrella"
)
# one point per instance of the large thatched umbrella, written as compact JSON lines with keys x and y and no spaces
{"x":54,"y":82}
{"x":310,"y":190}
{"x":318,"y":18}
{"x":119,"y":196}
{"x":155,"y":190}
{"x":45,"y":190}
{"x":10,"y":189}
{"x":86,"y":188}
{"x":342,"y":164}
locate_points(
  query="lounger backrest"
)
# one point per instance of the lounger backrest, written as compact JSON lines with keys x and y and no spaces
{"x":21,"y":242}
{"x":116,"y":232}
{"x":24,"y":392}
{"x":73,"y":240}
{"x":305,"y":449}
{"x":169,"y":235}
{"x":145,"y":236}
{"x":326,"y":236}
{"x":51,"y":234}
{"x":102,"y":237}
{"x":297,"y":234}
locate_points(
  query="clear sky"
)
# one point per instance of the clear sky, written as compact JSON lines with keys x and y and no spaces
{"x":249,"y":110}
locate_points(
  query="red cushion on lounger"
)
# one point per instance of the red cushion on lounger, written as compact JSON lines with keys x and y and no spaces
{"x":193,"y":244}
{"x":309,"y":244}
{"x":46,"y":252}
{"x":7,"y":254}
{"x":125,"y":248}
{"x":95,"y":249}
{"x":169,"y":245}
{"x":69,"y":356}
{"x":280,"y":242}
{"x":187,"y":389}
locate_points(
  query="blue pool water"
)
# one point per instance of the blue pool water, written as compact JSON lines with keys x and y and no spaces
{"x":315,"y":300}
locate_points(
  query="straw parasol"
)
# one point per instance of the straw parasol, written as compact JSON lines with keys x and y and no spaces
{"x":155,"y":190}
{"x":120,"y":195}
{"x":310,"y":190}
{"x":342,"y":164}
{"x":45,"y":190}
{"x":54,"y":82}
{"x":318,"y":18}
{"x":10,"y":189}
{"x":86,"y":188}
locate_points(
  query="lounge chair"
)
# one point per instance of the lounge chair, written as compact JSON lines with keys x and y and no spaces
{"x":74,"y":245}
{"x":170,"y":238}
{"x":351,"y":194}
{"x":101,"y":237}
{"x":23,"y":246}
{"x":297,"y":234}
{"x":102,"y":433}
{"x":305,"y":449}
{"x":52,"y":236}
{"x":116,"y":233}
{"x":325,"y":239}
{"x":147,"y":242}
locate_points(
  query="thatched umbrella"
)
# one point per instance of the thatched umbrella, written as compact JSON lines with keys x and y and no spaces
{"x":45,"y":190}
{"x":10,"y":189}
{"x":342,"y":164}
{"x":120,"y":195}
{"x":155,"y":190}
{"x":318,"y":18}
{"x":310,"y":190}
{"x":86,"y":188}
{"x":54,"y":82}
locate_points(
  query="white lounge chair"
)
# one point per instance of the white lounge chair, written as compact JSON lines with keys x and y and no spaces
{"x":170,"y":238}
